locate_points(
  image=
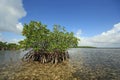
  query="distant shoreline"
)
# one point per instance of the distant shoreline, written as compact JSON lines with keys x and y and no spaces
{"x":108,"y":47}
{"x":86,"y":47}
{"x":98,"y":47}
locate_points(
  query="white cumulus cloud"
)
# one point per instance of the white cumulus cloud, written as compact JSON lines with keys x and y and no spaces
{"x":110,"y":38}
{"x":78,"y":33}
{"x":10,"y":13}
{"x":14,"y":40}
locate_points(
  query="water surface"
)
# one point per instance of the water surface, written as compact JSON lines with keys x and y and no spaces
{"x":84,"y":64}
{"x":96,"y":63}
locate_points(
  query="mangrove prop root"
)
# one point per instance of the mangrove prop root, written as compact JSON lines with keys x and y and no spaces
{"x":43,"y":57}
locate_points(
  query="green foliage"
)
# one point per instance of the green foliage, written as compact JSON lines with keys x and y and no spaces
{"x":12,"y":46}
{"x":22,"y":44}
{"x":60,"y":39}
{"x":8,"y":46}
{"x":39,"y":37}
{"x":36,"y":35}
{"x":3,"y":45}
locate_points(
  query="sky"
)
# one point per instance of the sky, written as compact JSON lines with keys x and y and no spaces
{"x":95,"y":22}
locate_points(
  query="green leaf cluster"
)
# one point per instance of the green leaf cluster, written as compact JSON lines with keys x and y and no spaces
{"x":39,"y":37}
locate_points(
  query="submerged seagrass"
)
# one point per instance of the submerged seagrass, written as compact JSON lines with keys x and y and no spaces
{"x":48,"y":46}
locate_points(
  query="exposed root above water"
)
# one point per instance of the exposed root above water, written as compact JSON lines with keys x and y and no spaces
{"x":44,"y":57}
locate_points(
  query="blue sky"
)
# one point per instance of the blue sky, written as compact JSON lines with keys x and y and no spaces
{"x":87,"y":15}
{"x":90,"y":20}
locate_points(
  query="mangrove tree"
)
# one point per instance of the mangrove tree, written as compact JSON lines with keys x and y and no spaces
{"x":48,"y":45}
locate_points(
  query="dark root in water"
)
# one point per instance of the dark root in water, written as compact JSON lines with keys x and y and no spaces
{"x":44,"y":57}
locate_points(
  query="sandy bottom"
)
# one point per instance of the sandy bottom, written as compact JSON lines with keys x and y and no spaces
{"x":37,"y":71}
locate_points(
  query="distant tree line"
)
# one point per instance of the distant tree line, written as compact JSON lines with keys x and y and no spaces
{"x":86,"y":47}
{"x":8,"y":46}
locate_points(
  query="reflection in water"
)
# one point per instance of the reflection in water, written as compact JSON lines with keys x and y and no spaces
{"x":84,"y":64}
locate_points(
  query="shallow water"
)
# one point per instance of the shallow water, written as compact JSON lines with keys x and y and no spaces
{"x":84,"y":64}
{"x":96,"y":63}
{"x":8,"y":57}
